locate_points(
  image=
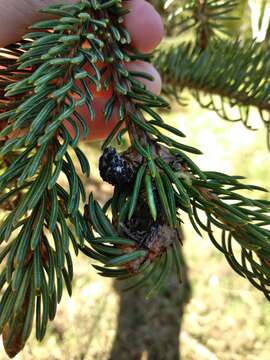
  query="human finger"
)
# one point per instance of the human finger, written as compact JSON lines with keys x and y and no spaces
{"x":143,"y":22}
{"x":144,"y":25}
{"x":153,"y":85}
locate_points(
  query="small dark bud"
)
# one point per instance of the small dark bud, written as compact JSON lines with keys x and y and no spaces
{"x":115,"y":169}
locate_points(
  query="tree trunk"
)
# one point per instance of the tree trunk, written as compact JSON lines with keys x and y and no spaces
{"x":150,"y":329}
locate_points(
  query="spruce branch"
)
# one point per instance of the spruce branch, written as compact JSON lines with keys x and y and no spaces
{"x":136,"y":234}
{"x":205,"y":18}
{"x":227,"y":75}
{"x":42,"y":78}
{"x":154,"y":180}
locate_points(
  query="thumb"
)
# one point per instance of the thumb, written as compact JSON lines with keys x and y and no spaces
{"x":16,"y":16}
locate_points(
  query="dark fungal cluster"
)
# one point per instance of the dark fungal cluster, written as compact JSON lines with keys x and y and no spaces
{"x":149,"y":230}
{"x":148,"y":233}
{"x":115,"y":169}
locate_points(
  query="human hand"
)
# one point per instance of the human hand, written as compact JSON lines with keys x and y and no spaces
{"x":143,"y":23}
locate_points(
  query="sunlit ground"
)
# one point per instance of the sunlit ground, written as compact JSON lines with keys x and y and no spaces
{"x":226,"y":318}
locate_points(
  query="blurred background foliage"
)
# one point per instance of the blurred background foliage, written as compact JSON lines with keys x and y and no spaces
{"x":225,"y":318}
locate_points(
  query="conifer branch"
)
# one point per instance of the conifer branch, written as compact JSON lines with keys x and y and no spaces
{"x":205,"y":18}
{"x":236,"y":72}
{"x":136,"y":234}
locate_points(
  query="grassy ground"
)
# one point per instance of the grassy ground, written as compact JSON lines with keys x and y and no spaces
{"x":226,"y":319}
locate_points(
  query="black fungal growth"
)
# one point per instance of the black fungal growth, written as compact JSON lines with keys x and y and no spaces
{"x":115,"y":169}
{"x":154,"y":236}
